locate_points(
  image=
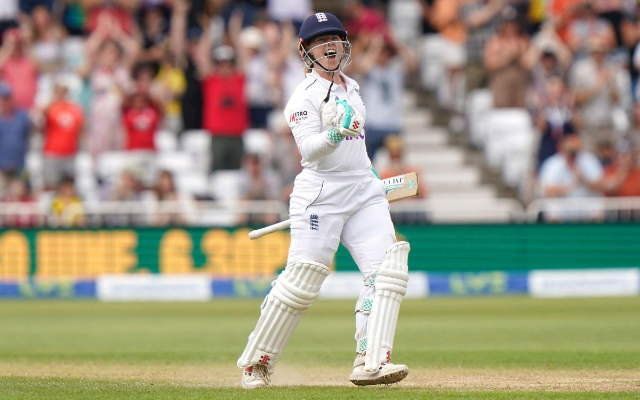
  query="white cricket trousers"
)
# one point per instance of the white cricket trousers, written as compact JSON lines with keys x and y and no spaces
{"x":349,"y":207}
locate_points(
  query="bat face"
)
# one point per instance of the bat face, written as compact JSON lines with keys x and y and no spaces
{"x":402,"y":186}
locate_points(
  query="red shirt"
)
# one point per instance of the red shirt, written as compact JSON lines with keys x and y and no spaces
{"x":141,"y":126}
{"x":21,"y":74}
{"x":224,"y":105}
{"x":64,"y":122}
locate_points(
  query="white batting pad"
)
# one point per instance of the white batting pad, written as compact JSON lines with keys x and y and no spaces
{"x":293,"y":293}
{"x":390,"y":286}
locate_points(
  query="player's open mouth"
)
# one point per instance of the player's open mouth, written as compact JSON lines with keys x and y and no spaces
{"x":330,"y":54}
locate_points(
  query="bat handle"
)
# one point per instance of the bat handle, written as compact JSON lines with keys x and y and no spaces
{"x":269,"y":229}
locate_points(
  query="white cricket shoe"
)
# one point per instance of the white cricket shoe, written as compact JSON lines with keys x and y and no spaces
{"x":387,"y":374}
{"x":255,"y":376}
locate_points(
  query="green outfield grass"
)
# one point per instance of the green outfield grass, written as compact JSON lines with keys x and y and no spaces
{"x":481,"y":348}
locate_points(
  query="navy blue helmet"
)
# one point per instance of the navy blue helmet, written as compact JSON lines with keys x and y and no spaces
{"x":320,"y":24}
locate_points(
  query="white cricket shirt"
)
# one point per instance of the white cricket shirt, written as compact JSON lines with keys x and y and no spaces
{"x":303,"y":113}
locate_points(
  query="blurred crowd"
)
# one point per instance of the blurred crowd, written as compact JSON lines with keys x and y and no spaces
{"x":84,"y":83}
{"x":574,"y":65}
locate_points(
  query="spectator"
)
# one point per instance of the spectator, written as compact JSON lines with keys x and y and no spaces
{"x":154,"y":34}
{"x":383,"y":68}
{"x":165,"y":191}
{"x":260,"y":91}
{"x":9,"y":11}
{"x":572,"y":173}
{"x":504,"y":61}
{"x":398,"y":166}
{"x":184,"y":46}
{"x":630,"y":32}
{"x":20,"y":195}
{"x":141,"y":118}
{"x":284,"y":11}
{"x":63,"y":124}
{"x":171,"y":83}
{"x":225,"y":112}
{"x":554,"y":118}
{"x":481,"y":18}
{"x":588,"y":26}
{"x":363,"y":20}
{"x":14,"y":133}
{"x":286,"y":156}
{"x":621,"y":171}
{"x":595,"y":82}
{"x":128,"y":187}
{"x":110,"y":55}
{"x":46,"y":38}
{"x":118,"y":11}
{"x":17,"y":69}
{"x":67,"y":209}
{"x":258,"y":183}
{"x":446,"y":16}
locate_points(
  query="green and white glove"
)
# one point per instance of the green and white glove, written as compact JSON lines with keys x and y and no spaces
{"x":346,"y":119}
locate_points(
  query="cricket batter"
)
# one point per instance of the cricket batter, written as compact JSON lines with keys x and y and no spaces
{"x":336,"y":198}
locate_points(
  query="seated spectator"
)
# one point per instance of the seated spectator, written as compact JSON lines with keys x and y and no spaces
{"x":19,"y":194}
{"x":554,"y":118}
{"x":17,"y":68}
{"x":572,"y":173}
{"x":165,"y":191}
{"x":110,"y":56}
{"x":397,"y":164}
{"x":504,"y":60}
{"x":621,"y":171}
{"x":595,"y":83}
{"x":128,"y":187}
{"x":67,"y":209}
{"x":63,"y":124}
{"x":383,"y":67}
{"x":141,"y":118}
{"x":258,"y":183}
{"x":14,"y":133}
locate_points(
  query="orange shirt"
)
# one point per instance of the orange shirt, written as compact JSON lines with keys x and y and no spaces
{"x":630,"y":187}
{"x":564,"y":10}
{"x":62,"y":130}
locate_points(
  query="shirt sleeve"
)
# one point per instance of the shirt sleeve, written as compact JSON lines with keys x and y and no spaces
{"x":304,"y":121}
{"x":591,"y":168}
{"x":548,"y":174}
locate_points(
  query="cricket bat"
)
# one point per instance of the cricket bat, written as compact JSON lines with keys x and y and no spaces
{"x":398,"y":188}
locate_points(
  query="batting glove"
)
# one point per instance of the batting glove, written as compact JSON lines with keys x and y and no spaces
{"x":346,"y":119}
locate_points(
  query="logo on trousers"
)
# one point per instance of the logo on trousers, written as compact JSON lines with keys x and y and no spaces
{"x":314,"y":223}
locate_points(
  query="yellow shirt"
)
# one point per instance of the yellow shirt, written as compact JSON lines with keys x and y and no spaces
{"x":173,"y":82}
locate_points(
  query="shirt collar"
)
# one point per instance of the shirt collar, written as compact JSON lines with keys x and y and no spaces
{"x":326,"y":83}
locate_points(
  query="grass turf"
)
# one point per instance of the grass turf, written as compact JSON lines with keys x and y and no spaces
{"x":78,"y":350}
